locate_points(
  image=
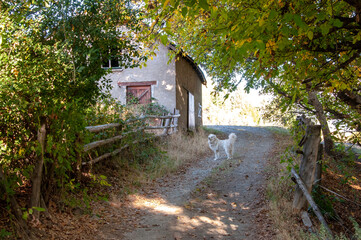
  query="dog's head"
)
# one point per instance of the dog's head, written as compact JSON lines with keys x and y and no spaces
{"x":212,"y":138}
{"x":232,"y":136}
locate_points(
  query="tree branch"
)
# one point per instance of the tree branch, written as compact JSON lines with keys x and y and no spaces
{"x":350,"y":98}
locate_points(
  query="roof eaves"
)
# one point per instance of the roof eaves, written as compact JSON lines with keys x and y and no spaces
{"x":191,"y":61}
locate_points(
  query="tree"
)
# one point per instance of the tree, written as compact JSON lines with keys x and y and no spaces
{"x":51,"y":54}
{"x":288,"y":47}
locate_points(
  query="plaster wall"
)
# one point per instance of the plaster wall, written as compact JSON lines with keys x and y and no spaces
{"x":158,"y":69}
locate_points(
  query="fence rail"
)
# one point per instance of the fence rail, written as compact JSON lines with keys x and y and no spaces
{"x":169,"y":126}
{"x":310,"y":200}
{"x":99,"y":128}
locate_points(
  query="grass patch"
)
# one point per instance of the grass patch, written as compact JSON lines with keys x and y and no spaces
{"x":209,"y":130}
{"x":278,"y":130}
{"x":182,"y":148}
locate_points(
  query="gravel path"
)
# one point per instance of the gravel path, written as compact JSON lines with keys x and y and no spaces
{"x":213,"y":199}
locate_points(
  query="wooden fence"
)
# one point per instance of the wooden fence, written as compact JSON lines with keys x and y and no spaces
{"x":309,"y":172}
{"x":168,"y":123}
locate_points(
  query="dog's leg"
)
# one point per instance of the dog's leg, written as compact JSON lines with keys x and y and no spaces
{"x":226,"y":149}
{"x":231,"y":149}
{"x":216,"y":154}
{"x":229,"y":152}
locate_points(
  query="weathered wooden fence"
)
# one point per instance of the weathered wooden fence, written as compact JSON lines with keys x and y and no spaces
{"x":310,"y":170}
{"x":168,"y":123}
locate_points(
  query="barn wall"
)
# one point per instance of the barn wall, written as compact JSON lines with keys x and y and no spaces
{"x":187,"y":80}
{"x":158,"y":69}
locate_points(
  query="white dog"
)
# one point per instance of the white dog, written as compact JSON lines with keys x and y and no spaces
{"x":227,"y":144}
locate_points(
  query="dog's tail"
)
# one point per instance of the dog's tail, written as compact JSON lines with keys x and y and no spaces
{"x":232,"y":137}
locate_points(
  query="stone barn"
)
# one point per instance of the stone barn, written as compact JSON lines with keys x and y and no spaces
{"x":175,"y":84}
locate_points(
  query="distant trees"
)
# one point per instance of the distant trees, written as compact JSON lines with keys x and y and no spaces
{"x":306,"y":52}
{"x":236,"y":110}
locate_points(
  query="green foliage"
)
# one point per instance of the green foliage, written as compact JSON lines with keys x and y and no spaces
{"x":211,"y":130}
{"x":324,"y":203}
{"x":280,"y":112}
{"x":286,"y":47}
{"x":81,"y":200}
{"x":278,"y":130}
{"x":51,"y":53}
{"x":30,"y":211}
{"x":106,"y":110}
{"x":290,"y":159}
{"x":153,"y":108}
{"x":321,"y":234}
{"x":346,"y":164}
{"x":4,"y":234}
{"x":101,"y":180}
{"x":357,"y":229}
{"x":83,"y":197}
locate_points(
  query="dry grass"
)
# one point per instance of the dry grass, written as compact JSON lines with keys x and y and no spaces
{"x":280,"y":193}
{"x":183,"y":148}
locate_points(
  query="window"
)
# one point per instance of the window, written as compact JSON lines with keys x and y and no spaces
{"x":113,"y":61}
{"x":139,"y":94}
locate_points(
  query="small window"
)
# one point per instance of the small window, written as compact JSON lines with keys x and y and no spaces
{"x":113,"y":62}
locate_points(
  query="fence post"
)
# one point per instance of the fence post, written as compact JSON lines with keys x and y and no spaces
{"x":118,"y":131}
{"x":318,"y":171}
{"x":167,"y":124}
{"x":308,"y":165}
{"x":175,"y":122}
{"x":162,"y":120}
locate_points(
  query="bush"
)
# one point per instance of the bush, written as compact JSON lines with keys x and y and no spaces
{"x":50,"y":77}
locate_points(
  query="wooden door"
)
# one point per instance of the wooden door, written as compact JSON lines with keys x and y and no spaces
{"x":138,"y":94}
{"x":191,"y":117}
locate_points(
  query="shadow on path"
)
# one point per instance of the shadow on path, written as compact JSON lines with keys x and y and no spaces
{"x":213,"y":199}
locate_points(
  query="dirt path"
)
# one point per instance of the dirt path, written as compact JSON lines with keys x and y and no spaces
{"x":213,"y":199}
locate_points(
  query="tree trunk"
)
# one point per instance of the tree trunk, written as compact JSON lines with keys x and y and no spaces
{"x":320,"y":114}
{"x":78,"y":146}
{"x":37,"y":174}
{"x":23,"y":227}
{"x":48,"y":182}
